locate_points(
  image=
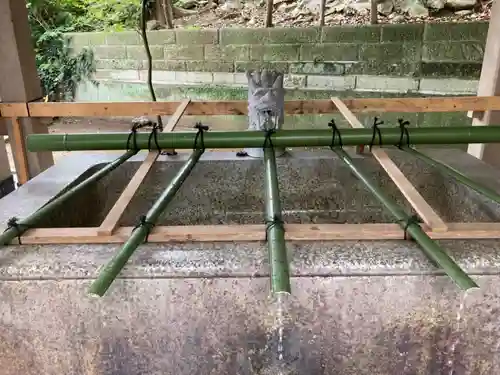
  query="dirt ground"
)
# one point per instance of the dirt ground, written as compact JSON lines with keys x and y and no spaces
{"x":287,"y":14}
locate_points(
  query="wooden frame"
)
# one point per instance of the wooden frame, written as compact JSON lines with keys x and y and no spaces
{"x":110,"y":232}
{"x":240,"y":107}
{"x":252,"y":233}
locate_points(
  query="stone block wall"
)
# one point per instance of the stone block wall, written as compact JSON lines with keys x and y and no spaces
{"x":414,"y":58}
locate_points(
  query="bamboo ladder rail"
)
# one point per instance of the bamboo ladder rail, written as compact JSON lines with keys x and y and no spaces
{"x":113,"y":217}
{"x":419,"y":204}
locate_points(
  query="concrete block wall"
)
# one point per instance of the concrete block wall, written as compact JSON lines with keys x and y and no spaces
{"x":414,"y":58}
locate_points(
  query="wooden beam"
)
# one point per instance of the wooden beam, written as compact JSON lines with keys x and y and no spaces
{"x":19,"y":152}
{"x":110,"y":223}
{"x":174,"y":120}
{"x":103,"y":109}
{"x":252,"y":233}
{"x":419,"y":204}
{"x":14,"y":110}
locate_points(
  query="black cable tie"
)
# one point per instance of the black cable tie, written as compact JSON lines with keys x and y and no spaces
{"x":267,"y":139}
{"x":199,"y":136}
{"x":133,"y":136}
{"x":414,"y":219}
{"x":335,"y":132}
{"x":147,"y":224}
{"x":376,"y":131}
{"x":13,"y":223}
{"x":404,"y":132}
{"x":276,"y":221}
{"x":154,"y":135}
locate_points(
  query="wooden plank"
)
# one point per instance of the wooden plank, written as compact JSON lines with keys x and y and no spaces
{"x":411,"y":105}
{"x":249,"y":233}
{"x":174,"y":120}
{"x":419,"y":204}
{"x":19,"y":152}
{"x":110,"y":223}
{"x":13,"y":110}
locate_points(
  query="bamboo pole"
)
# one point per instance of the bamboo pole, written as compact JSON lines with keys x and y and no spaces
{"x":281,"y":138}
{"x":429,"y":247}
{"x":140,"y":234}
{"x":32,"y":220}
{"x":452,"y":172}
{"x":280,"y":274}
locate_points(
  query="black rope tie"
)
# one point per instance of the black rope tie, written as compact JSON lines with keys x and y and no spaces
{"x":275,"y":222}
{"x":13,"y":223}
{"x":199,"y":136}
{"x":376,"y":131}
{"x":147,"y":224}
{"x":268,"y":142}
{"x":411,"y":220}
{"x":335,"y":133}
{"x":404,"y":132}
{"x":154,"y":136}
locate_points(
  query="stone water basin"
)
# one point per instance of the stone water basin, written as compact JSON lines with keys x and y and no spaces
{"x":357,"y":307}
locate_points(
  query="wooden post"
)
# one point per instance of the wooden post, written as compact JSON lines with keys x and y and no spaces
{"x":322,"y":13}
{"x":489,"y":84}
{"x":19,"y":80}
{"x":373,"y":12}
{"x":269,"y":15}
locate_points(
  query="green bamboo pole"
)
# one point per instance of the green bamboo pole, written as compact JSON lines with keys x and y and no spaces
{"x":46,"y":210}
{"x":139,"y":235}
{"x":280,"y":274}
{"x":430,"y":247}
{"x":281,"y":138}
{"x":457,"y":175}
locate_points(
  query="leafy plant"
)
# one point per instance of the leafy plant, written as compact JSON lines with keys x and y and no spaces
{"x":59,"y":69}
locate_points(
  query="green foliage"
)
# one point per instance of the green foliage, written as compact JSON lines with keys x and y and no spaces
{"x":60,"y":71}
{"x":113,"y":15}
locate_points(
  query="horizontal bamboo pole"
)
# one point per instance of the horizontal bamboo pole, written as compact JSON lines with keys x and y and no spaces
{"x":252,"y":233}
{"x":282,"y":138}
{"x":239,"y":107}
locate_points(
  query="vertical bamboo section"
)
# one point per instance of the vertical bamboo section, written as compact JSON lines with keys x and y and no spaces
{"x":280,"y":274}
{"x":139,"y":235}
{"x":430,"y":247}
